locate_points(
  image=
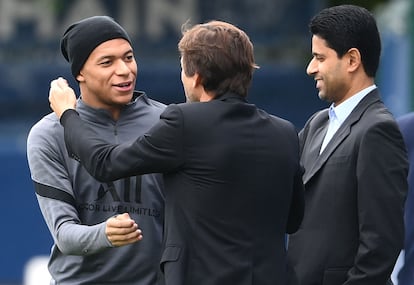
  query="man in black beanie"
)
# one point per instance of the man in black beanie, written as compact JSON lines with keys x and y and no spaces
{"x":81,"y":38}
{"x":97,"y":226}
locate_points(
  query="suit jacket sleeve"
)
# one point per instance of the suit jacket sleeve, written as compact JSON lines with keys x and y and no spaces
{"x":297,"y":205}
{"x":159,"y":150}
{"x":382,"y":186}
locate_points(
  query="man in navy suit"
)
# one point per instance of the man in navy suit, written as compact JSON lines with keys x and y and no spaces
{"x":406,"y":274}
{"x":354,"y":158}
{"x":232,"y":175}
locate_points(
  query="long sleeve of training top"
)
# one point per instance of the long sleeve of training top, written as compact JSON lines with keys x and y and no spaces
{"x":49,"y":173}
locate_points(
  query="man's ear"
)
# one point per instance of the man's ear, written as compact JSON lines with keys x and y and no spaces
{"x":354,"y":59}
{"x":196,"y":80}
{"x":80,"y":77}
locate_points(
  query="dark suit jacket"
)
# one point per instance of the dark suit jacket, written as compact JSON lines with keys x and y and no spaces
{"x":406,"y":275}
{"x":232,"y":181}
{"x":353,"y":230}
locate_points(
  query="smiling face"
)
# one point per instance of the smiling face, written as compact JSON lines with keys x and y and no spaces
{"x":330,"y":72}
{"x":107,"y":79}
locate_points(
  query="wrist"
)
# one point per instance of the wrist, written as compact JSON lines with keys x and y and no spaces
{"x":66,"y":115}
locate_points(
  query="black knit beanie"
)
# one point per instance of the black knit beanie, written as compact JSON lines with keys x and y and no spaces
{"x":81,"y":38}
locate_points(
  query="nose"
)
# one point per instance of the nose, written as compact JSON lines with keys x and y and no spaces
{"x":122,"y":68}
{"x":311,"y":69}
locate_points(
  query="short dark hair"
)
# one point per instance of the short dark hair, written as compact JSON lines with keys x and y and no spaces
{"x":221,"y":53}
{"x":348,"y":26}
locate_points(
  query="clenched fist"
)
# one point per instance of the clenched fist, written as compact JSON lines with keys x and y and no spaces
{"x":122,"y":230}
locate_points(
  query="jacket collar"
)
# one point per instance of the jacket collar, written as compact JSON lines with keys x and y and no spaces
{"x":343,"y":132}
{"x":229,"y":96}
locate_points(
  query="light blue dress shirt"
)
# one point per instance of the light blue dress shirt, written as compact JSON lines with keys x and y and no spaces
{"x":338,"y":114}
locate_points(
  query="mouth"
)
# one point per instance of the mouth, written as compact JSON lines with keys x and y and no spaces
{"x":123,"y":84}
{"x":318,"y":82}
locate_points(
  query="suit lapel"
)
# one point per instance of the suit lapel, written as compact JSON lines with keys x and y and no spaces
{"x":321,"y":159}
{"x":337,"y":139}
{"x":315,"y":143}
{"x":313,"y":137}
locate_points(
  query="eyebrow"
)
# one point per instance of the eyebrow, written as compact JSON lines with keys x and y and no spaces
{"x":317,"y":54}
{"x":112,"y":56}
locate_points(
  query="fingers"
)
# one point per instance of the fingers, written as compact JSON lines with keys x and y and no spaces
{"x":61,"y":96}
{"x":124,"y":216}
{"x":120,"y":240}
{"x":60,"y":86}
{"x":62,"y":83}
{"x":122,"y":230}
{"x":120,"y":224}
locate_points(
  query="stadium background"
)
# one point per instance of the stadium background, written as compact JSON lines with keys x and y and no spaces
{"x":30,"y":58}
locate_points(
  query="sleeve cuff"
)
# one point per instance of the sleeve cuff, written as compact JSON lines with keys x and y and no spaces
{"x":67,"y":114}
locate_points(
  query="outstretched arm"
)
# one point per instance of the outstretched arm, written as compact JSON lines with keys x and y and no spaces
{"x":160,"y":150}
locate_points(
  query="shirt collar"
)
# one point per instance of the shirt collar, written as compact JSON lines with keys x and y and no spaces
{"x":342,"y":111}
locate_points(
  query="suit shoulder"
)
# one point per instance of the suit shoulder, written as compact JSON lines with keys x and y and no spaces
{"x":406,"y":125}
{"x":281,"y":121}
{"x":378,"y":115}
{"x":406,"y":120}
{"x":377,"y":124}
